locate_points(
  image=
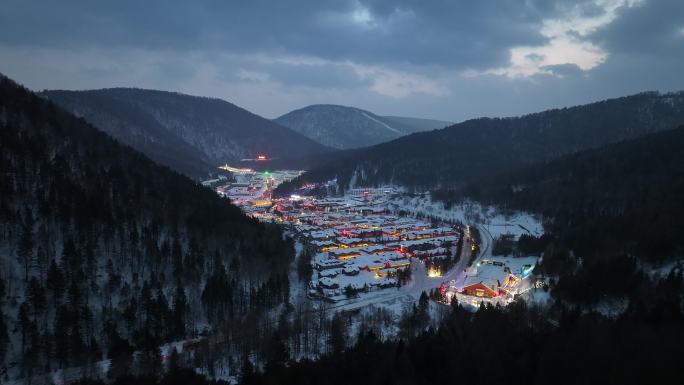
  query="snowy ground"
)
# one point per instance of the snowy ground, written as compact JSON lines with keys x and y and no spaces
{"x":490,"y":223}
{"x":662,"y":270}
{"x":389,"y":304}
{"x":470,"y":213}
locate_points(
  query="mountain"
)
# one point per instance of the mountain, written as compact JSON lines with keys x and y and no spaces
{"x":625,"y":196}
{"x":105,"y":253}
{"x":418,"y":124}
{"x":187,"y":133}
{"x":615,"y":214}
{"x":344,"y":127}
{"x":470,"y":150}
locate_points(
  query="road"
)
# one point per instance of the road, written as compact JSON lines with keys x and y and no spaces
{"x":420,"y":281}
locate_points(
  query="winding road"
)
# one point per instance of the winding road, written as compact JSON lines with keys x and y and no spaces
{"x":420,"y":281}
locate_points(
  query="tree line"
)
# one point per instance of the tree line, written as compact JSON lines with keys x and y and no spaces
{"x":106,"y":254}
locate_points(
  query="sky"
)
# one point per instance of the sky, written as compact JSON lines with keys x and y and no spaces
{"x":449,"y":60}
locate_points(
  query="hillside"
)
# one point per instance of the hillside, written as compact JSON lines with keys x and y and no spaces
{"x":473,"y":149}
{"x":187,"y":133}
{"x":418,"y":124}
{"x":104,"y":252}
{"x":623,"y":197}
{"x":344,"y":127}
{"x":613,"y":213}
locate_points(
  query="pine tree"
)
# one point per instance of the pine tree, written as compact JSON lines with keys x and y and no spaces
{"x":25,"y":323}
{"x":55,"y":282}
{"x":150,"y":360}
{"x":4,"y":338}
{"x":76,"y":341}
{"x":36,"y":296}
{"x":174,"y":361}
{"x":61,"y":335}
{"x":180,"y":307}
{"x":247,"y":372}
{"x":74,"y":295}
{"x":277,"y":353}
{"x":130,"y":315}
{"x":338,"y":333}
{"x":25,"y":249}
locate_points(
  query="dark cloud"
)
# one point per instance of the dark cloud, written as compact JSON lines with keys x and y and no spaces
{"x":445,"y":59}
{"x":656,"y":27}
{"x":455,"y":33}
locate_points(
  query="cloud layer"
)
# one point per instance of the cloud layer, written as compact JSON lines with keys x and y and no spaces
{"x":443,"y":59}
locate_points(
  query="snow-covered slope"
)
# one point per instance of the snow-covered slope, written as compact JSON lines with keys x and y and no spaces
{"x":348,"y":127}
{"x":187,"y":133}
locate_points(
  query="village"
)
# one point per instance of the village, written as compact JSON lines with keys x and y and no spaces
{"x":361,"y":246}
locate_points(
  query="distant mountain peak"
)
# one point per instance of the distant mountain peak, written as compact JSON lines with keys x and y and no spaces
{"x":345,"y":127}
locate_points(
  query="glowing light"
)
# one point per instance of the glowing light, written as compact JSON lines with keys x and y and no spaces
{"x":434,"y":272}
{"x":261,"y":157}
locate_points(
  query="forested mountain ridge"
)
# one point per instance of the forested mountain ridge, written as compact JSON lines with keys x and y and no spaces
{"x":470,"y":150}
{"x":105,"y":252}
{"x":624,"y":197}
{"x":345,"y":127}
{"x":615,"y":219}
{"x":418,"y":124}
{"x":188,"y":133}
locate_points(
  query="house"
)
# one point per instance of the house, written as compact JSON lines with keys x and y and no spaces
{"x":479,"y":289}
{"x":350,"y":270}
{"x":329,"y":264}
{"x":498,"y":276}
{"x":328,"y":283}
{"x":348,"y":255}
{"x":324,"y":245}
{"x":487,"y":280}
{"x":330,"y":273}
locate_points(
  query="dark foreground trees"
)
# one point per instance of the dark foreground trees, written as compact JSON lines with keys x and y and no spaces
{"x":106,"y":253}
{"x":519,"y":344}
{"x":514,"y":345}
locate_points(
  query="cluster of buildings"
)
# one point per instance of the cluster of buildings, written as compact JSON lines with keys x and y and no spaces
{"x":494,"y":279}
{"x":357,"y":244}
{"x":251,"y":190}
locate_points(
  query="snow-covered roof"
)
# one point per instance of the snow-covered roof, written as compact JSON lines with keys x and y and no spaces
{"x":495,"y":271}
{"x":518,"y":265}
{"x":322,"y":243}
{"x":328,"y":273}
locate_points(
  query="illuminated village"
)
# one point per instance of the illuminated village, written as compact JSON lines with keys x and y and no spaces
{"x":360,"y":244}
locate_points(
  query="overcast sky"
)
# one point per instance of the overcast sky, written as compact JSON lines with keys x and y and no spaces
{"x":448,"y":60}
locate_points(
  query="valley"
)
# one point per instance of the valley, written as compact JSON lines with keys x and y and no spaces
{"x":374,"y":246}
{"x":117,"y":265}
{"x":342,"y":192}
